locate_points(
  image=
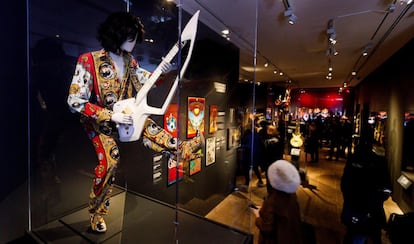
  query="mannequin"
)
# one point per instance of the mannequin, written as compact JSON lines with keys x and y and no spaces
{"x":101,"y":79}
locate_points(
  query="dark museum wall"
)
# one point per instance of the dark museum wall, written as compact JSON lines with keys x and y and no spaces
{"x":14,"y":95}
{"x":390,"y":89}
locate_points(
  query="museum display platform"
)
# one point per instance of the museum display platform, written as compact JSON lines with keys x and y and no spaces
{"x":135,"y":218}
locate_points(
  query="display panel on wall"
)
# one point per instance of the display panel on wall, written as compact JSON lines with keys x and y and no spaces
{"x":195,"y":165}
{"x":171,"y":119}
{"x":156,"y":168}
{"x":232,"y":115}
{"x":233,"y":137}
{"x":210,"y":151}
{"x":213,"y":119}
{"x":173,"y":174}
{"x":195,"y":119}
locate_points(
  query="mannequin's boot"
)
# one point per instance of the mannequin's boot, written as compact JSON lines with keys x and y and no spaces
{"x":97,"y":223}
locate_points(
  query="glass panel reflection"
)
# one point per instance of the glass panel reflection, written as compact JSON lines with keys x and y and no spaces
{"x":170,"y":182}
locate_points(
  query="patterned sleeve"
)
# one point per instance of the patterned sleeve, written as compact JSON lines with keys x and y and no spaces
{"x":81,"y":88}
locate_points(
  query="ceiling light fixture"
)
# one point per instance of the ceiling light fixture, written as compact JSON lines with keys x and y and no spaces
{"x":331,"y":32}
{"x":334,"y":51}
{"x":292,"y":19}
{"x":226,"y":34}
{"x":331,"y":51}
{"x":391,"y":8}
{"x":406,"y":1}
{"x":366,"y":49}
{"x":289,"y":13}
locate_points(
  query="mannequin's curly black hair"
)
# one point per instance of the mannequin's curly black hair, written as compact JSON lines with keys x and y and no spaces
{"x":117,"y":28}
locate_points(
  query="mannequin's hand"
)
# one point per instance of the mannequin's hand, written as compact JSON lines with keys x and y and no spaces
{"x":165,"y":67}
{"x":121,"y":118}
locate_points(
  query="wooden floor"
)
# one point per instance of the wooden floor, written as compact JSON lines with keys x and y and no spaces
{"x":320,"y":201}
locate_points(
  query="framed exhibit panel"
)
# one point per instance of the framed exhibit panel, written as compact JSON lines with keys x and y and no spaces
{"x":195,"y":166}
{"x":213,"y":119}
{"x":171,"y":120}
{"x":174,"y":172}
{"x":233,"y":137}
{"x":210,"y":151}
{"x":195,"y":115}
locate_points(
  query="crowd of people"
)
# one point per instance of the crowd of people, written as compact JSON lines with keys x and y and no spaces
{"x":268,"y":142}
{"x":278,"y":218}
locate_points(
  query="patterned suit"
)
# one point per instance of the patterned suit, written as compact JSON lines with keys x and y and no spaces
{"x":95,"y":88}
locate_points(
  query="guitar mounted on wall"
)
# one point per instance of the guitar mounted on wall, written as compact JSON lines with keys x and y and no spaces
{"x":296,"y":140}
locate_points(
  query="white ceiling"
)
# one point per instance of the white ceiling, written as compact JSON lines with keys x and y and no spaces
{"x":299,"y":50}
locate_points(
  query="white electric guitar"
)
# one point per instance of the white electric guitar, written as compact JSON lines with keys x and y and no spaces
{"x":138,"y":107}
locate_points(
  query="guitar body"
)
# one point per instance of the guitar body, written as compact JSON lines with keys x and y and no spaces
{"x":139,"y":112}
{"x":126,"y":132}
{"x":296,"y":140}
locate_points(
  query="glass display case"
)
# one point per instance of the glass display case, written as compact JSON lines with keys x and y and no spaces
{"x":153,"y":198}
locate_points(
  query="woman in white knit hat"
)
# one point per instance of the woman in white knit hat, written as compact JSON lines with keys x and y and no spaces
{"x":279,"y":219}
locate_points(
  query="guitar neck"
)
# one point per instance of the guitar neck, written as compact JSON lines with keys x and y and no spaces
{"x":156,"y":74}
{"x":297,"y":131}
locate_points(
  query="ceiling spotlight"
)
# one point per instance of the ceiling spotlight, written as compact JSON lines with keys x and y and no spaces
{"x":225,"y":32}
{"x":366,"y":49}
{"x":353,"y":73}
{"x":332,"y":38}
{"x":391,"y":8}
{"x":331,"y":51}
{"x":266,"y":64}
{"x":274,"y":71}
{"x":288,"y":12}
{"x":292,"y":19}
{"x":331,"y":31}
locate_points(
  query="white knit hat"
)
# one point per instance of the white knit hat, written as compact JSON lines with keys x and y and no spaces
{"x":283,"y":176}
